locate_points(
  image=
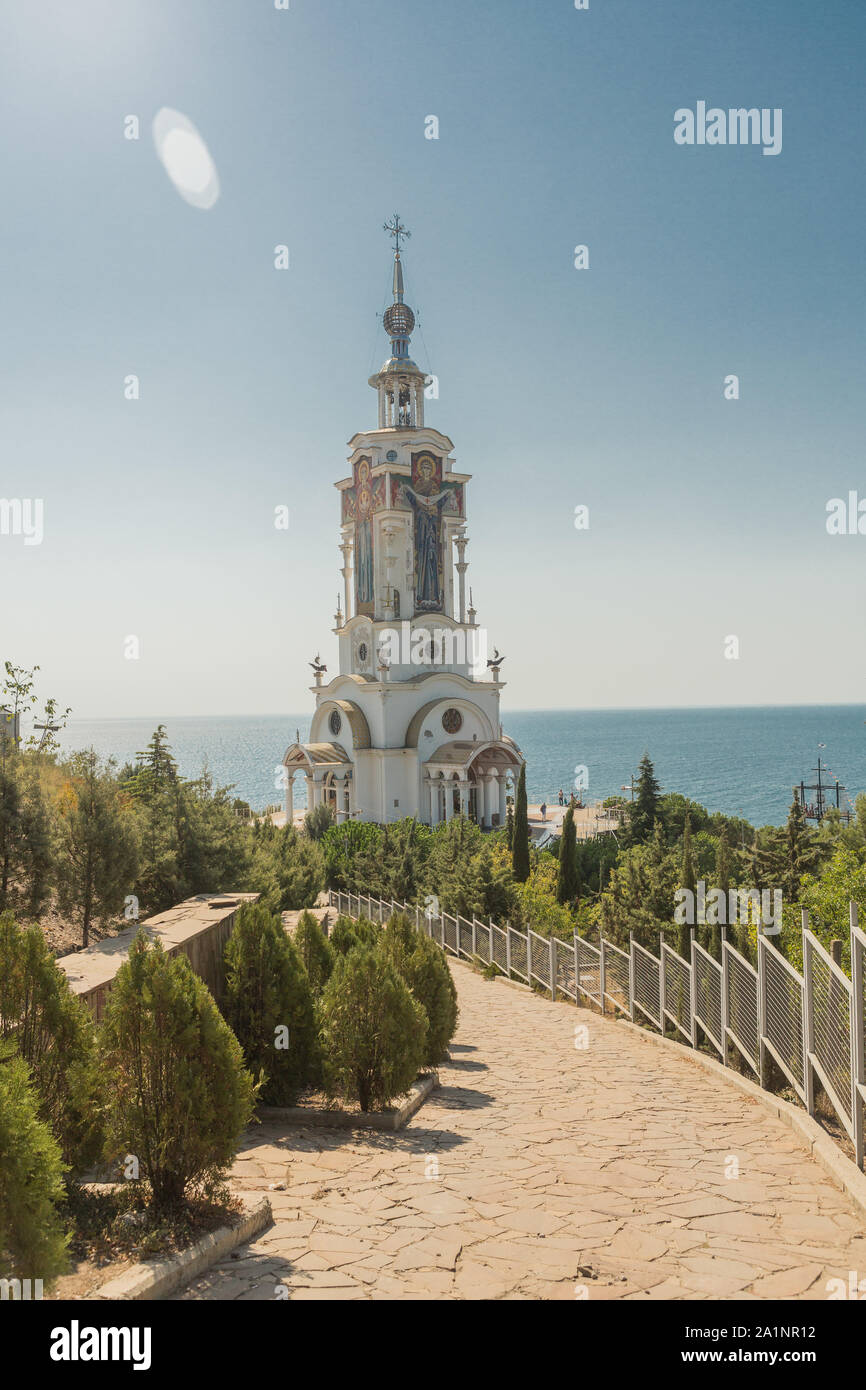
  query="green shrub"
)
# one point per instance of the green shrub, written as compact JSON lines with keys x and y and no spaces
{"x":427,"y":975}
{"x":53,"y":1031}
{"x":343,"y":937}
{"x":421,"y":964}
{"x":398,"y":939}
{"x":314,"y":950}
{"x":288,"y":869}
{"x":373,"y":1032}
{"x":268,"y":989}
{"x":178,"y":1093}
{"x":347,"y":933}
{"x":32,"y":1239}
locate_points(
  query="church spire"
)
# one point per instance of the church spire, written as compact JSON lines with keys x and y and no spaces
{"x":400,"y":382}
{"x":398,"y":319}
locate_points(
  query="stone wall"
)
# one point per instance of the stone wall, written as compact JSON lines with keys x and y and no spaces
{"x":198,"y":927}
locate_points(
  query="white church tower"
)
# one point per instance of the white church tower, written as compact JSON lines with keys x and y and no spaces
{"x":410,"y":724}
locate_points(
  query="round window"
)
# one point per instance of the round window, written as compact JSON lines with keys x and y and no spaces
{"x":452,"y":721}
{"x":335,"y":723}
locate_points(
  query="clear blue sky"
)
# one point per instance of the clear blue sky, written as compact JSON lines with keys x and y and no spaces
{"x":558,"y":387}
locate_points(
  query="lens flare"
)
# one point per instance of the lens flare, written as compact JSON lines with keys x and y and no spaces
{"x":185,"y":158}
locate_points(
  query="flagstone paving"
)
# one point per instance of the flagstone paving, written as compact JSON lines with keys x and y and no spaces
{"x":540,"y":1170}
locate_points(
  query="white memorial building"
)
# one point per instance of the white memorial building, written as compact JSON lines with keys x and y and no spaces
{"x":410,"y":724}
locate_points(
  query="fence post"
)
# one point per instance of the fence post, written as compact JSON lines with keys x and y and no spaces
{"x":858,"y":1061}
{"x":631,"y":975}
{"x":693,"y":989}
{"x":663,"y":999}
{"x":601,"y":980}
{"x":762,"y":1005}
{"x":808,"y":1017}
{"x":576,"y":971}
{"x":490,"y":920}
{"x":474,"y":937}
{"x":723,"y":933}
{"x":528,"y":956}
{"x":508,"y":950}
{"x":553,"y":967}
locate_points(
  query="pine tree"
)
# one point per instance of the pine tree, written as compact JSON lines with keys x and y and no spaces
{"x":520,"y":839}
{"x":26,"y":850}
{"x":644,"y":810}
{"x":99,"y":843}
{"x":567,"y":883}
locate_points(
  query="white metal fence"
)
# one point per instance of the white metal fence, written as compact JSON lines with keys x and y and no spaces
{"x":810,"y":1025}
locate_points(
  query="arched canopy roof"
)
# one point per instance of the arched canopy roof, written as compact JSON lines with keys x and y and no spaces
{"x":497,"y":755}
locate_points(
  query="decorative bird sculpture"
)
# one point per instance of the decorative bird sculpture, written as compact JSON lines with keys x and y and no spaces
{"x":496,"y":659}
{"x":317,"y":665}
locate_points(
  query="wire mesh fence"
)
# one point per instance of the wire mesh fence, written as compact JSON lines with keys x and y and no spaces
{"x":707,"y":976}
{"x":782,"y":1003}
{"x":810,"y":1025}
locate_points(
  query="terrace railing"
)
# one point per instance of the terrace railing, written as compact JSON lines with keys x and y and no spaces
{"x":811,"y":1025}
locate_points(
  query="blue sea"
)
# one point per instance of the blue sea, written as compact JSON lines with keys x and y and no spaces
{"x":739,"y":761}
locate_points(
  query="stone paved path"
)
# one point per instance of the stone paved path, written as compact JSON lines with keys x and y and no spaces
{"x":543,"y":1171}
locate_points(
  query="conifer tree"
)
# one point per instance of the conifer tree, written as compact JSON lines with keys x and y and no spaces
{"x":32,"y":1239}
{"x":520,"y":839}
{"x":268,"y":1003}
{"x":99,"y":843}
{"x":314,"y":949}
{"x":567,"y":882}
{"x":53,"y":1030}
{"x":178,"y":1093}
{"x":644,"y":810}
{"x":800,"y":849}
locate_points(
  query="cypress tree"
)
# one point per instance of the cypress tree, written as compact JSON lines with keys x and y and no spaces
{"x":520,"y":838}
{"x":567,"y":883}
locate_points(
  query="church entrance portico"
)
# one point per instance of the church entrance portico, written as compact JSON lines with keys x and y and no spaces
{"x":328,"y":773}
{"x":473,"y":780}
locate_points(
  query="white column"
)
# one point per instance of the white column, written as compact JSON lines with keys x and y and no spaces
{"x":489,"y":798}
{"x":503,"y":793}
{"x":290,"y":800}
{"x":461,"y":572}
{"x":433,"y":788}
{"x":346,"y":572}
{"x":464,"y":797}
{"x":309,"y":780}
{"x":449,"y":798}
{"x":341,"y":797}
{"x":480,"y":806}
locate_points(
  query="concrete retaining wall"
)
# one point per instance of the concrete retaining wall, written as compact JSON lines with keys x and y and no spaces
{"x":198,"y":927}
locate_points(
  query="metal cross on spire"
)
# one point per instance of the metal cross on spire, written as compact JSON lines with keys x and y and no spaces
{"x":395,"y":229}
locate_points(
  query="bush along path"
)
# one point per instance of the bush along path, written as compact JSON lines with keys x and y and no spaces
{"x":551,"y":1164}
